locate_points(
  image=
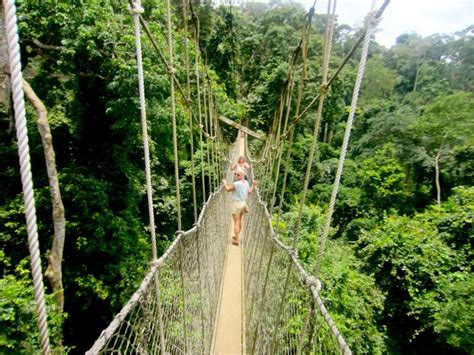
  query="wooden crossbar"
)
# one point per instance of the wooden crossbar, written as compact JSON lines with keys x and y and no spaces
{"x":242,"y":128}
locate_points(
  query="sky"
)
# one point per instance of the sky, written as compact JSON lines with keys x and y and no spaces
{"x":424,"y":17}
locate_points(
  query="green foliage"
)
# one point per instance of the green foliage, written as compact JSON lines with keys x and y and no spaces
{"x":454,"y":319}
{"x":383,"y":182}
{"x":424,"y":263}
{"x":18,"y":312}
{"x":379,"y":82}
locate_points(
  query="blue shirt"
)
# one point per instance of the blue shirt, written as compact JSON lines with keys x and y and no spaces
{"x":241,"y":190}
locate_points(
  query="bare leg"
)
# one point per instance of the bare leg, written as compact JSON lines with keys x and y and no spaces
{"x":241,"y":216}
{"x":237,"y":218}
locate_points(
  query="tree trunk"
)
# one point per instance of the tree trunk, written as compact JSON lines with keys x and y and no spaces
{"x":325,"y":137}
{"x":438,"y":185}
{"x":55,"y":257}
{"x":417,"y":73}
{"x":4,"y":70}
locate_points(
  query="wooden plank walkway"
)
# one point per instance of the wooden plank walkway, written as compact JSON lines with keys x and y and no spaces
{"x":228,"y":336}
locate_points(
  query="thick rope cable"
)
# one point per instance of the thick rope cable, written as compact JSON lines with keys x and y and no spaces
{"x":371,"y":22}
{"x":25,"y":170}
{"x":301,"y":86}
{"x":211,"y":132}
{"x":206,"y":129}
{"x":216,"y":140}
{"x":317,"y":121}
{"x":137,"y":9}
{"x":190,"y":111}
{"x":280,"y":148}
{"x":173,"y":113}
{"x":198,"y":89}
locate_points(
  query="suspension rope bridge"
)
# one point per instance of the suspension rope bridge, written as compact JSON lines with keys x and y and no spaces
{"x":204,"y":295}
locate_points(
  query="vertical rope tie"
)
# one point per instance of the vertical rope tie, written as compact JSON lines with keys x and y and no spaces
{"x":198,"y":92}
{"x":25,"y":170}
{"x":173,"y":112}
{"x":137,"y":10}
{"x":190,"y":110}
{"x":176,"y":161}
{"x":371,"y":22}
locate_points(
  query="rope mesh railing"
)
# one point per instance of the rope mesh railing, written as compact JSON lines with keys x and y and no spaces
{"x":284,"y":313}
{"x":179,"y":294}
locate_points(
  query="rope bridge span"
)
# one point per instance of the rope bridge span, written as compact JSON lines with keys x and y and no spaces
{"x":175,"y":309}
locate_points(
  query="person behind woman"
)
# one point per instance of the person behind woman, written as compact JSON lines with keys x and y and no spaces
{"x":241,"y":163}
{"x":240,"y":190}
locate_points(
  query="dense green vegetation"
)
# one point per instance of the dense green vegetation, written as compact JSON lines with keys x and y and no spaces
{"x":398,"y":269}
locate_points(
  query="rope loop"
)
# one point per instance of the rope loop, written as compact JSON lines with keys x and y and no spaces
{"x":371,"y":20}
{"x":314,"y":282}
{"x":324,"y":88}
{"x":137,"y":9}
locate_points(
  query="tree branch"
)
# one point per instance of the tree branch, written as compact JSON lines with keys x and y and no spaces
{"x":54,"y":270}
{"x":41,"y":45}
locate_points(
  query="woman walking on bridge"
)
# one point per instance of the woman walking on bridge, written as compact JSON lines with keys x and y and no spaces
{"x":240,"y":190}
{"x":241,"y":163}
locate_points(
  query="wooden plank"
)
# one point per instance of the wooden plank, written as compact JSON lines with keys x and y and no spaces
{"x":242,"y":128}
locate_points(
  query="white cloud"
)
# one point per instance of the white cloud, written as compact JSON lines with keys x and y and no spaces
{"x":424,"y":17}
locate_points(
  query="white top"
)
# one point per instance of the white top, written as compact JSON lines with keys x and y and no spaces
{"x":241,"y":190}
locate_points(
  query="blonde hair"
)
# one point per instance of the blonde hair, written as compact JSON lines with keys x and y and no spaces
{"x":240,"y":171}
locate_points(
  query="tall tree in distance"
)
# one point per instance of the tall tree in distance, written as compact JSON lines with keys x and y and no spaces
{"x":4,"y":80}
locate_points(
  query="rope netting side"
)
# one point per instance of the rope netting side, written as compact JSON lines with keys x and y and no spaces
{"x":198,"y":255}
{"x":302,"y":324}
